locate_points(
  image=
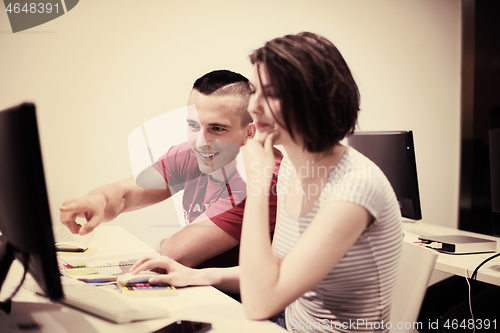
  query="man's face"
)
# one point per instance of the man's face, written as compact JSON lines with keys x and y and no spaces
{"x":214,"y":130}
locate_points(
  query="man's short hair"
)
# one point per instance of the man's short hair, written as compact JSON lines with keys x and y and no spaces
{"x":224,"y":82}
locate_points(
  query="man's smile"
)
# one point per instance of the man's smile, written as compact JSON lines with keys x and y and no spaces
{"x":206,"y":154}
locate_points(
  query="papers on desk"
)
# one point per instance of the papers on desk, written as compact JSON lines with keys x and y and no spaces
{"x":92,"y":270}
{"x":63,"y":235}
{"x":106,"y":271}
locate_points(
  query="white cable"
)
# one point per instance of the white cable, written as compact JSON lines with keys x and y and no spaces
{"x":470,"y":303}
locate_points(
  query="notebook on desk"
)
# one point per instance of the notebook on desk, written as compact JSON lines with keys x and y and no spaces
{"x":68,"y":242}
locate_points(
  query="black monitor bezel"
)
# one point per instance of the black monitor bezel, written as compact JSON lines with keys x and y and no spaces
{"x":414,"y":212}
{"x":25,"y":220}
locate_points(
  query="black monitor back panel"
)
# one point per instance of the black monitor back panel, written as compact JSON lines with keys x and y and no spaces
{"x":394,"y":154}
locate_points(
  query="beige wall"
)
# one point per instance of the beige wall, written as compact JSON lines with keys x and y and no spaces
{"x":105,"y":67}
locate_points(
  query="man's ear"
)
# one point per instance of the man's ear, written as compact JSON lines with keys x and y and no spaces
{"x":250,"y":131}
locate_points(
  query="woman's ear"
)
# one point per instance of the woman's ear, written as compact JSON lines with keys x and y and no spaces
{"x":250,"y":131}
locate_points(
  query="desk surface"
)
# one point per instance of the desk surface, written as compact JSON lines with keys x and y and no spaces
{"x":461,"y":264}
{"x":207,"y":303}
{"x":192,"y":303}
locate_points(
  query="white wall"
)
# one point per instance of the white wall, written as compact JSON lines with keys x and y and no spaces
{"x":105,"y":67}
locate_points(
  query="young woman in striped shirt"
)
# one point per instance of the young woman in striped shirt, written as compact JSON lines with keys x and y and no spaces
{"x":333,"y":262}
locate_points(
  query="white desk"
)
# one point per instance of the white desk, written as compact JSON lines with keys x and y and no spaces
{"x":194,"y":303}
{"x":459,"y":264}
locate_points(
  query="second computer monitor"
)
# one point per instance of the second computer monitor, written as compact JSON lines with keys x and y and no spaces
{"x":394,"y":154}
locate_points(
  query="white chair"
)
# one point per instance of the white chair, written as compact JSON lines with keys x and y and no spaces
{"x":417,"y":264}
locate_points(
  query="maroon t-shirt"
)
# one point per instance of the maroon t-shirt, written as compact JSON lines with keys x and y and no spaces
{"x":222,"y":202}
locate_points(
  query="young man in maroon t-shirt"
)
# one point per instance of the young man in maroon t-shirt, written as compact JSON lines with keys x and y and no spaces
{"x":204,"y":167}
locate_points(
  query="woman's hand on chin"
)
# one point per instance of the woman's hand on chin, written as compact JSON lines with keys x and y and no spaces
{"x":258,"y":155}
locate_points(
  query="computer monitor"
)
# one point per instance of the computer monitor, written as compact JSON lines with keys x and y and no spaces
{"x":25,"y":220}
{"x":394,"y":153}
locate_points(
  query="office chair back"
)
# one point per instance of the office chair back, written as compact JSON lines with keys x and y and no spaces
{"x":417,"y":264}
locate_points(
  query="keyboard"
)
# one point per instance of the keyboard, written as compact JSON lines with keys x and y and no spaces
{"x":109,"y":304}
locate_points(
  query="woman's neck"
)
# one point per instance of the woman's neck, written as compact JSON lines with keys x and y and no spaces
{"x":305,"y":162}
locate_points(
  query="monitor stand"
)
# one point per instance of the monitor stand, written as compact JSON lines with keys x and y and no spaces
{"x":6,"y":259}
{"x":407,"y":220}
{"x":33,"y":317}
{"x":44,"y":317}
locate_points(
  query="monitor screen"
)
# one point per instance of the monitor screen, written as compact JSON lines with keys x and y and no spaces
{"x":25,"y":220}
{"x":394,"y":154}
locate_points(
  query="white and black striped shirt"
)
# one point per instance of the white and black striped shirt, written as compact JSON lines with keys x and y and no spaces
{"x":356,"y":295}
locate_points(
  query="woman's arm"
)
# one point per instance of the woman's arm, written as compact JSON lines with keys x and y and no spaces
{"x":178,"y":275}
{"x":267,"y":285}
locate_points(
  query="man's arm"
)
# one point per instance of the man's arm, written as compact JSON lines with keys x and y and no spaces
{"x":197,"y":243}
{"x":205,"y":239}
{"x":107,"y":202}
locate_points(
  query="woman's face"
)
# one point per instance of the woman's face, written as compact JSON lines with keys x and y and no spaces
{"x":264,"y":108}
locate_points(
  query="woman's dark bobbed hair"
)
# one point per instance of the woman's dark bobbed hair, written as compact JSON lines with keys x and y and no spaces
{"x":318,"y":95}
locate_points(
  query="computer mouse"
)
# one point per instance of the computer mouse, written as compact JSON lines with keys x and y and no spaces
{"x":69,"y":246}
{"x":141,"y":277}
